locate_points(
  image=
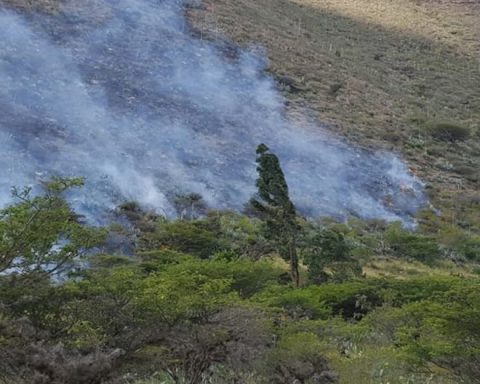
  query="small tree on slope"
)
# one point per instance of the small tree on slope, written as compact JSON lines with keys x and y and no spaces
{"x":273,"y":205}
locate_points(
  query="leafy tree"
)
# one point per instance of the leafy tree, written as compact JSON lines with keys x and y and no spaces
{"x":42,"y":233}
{"x":193,"y":237}
{"x":246,"y":277}
{"x":274,"y":206}
{"x":244,"y":235}
{"x":328,"y":256}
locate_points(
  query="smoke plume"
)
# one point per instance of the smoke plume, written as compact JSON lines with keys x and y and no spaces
{"x":123,"y":93}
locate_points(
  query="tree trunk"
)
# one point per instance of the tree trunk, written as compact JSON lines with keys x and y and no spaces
{"x":292,"y":253}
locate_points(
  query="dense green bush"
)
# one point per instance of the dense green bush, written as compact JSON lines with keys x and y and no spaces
{"x":443,"y":330}
{"x":349,"y":300}
{"x":471,"y":248}
{"x":403,"y":243}
{"x":328,"y":255}
{"x":157,"y":260}
{"x":298,"y":358}
{"x":354,"y":299}
{"x":246,"y":277}
{"x":193,"y":237}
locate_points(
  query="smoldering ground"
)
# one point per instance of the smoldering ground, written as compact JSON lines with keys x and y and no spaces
{"x":123,"y":93}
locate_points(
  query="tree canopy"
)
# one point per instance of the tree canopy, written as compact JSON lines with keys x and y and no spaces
{"x":273,"y":205}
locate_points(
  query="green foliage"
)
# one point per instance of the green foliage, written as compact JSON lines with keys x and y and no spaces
{"x":152,"y":261}
{"x":320,"y":302}
{"x":109,"y":261}
{"x":471,"y":248}
{"x":410,"y":244}
{"x":352,"y":299}
{"x":327,"y":254}
{"x":440,"y":330}
{"x":42,"y":233}
{"x":298,"y":357}
{"x":460,"y":243}
{"x":99,"y":305}
{"x":245,"y":277}
{"x":243,"y":235}
{"x":175,"y":295}
{"x":274,"y":207}
{"x":271,"y":184}
{"x":193,"y":237}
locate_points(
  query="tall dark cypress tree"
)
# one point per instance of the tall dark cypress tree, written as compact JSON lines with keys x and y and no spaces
{"x":273,"y":205}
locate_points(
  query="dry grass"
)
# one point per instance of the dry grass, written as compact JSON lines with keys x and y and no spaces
{"x":451,"y":23}
{"x":375,"y":71}
{"x":394,"y":59}
{"x":404,"y":269}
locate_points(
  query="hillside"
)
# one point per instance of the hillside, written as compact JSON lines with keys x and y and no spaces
{"x":381,"y":73}
{"x":240,"y":192}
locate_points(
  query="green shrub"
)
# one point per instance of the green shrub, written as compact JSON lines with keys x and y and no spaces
{"x":152,"y":261}
{"x":399,"y":292}
{"x":471,"y":248}
{"x":298,"y":358}
{"x":350,"y":300}
{"x":443,"y":330}
{"x":246,"y":277}
{"x":447,"y":131}
{"x":353,"y":299}
{"x":192,"y":237}
{"x":109,"y":261}
{"x":327,"y":254}
{"x":413,"y":245}
{"x":296,"y":303}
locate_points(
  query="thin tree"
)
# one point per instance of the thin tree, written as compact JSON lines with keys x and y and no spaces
{"x":273,"y":205}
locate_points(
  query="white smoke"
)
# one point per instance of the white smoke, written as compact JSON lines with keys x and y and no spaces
{"x":131,"y":100}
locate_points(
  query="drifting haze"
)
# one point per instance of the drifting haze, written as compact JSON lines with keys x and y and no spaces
{"x":131,"y":100}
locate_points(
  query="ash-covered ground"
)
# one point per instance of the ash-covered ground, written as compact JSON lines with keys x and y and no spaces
{"x":123,"y":93}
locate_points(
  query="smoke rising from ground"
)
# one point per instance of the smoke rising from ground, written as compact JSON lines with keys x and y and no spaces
{"x":123,"y":94}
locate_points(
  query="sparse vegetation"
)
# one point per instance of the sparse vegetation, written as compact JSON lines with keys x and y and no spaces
{"x":403,"y":64}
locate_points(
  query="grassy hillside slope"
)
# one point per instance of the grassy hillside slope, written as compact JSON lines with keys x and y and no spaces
{"x":382,"y":73}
